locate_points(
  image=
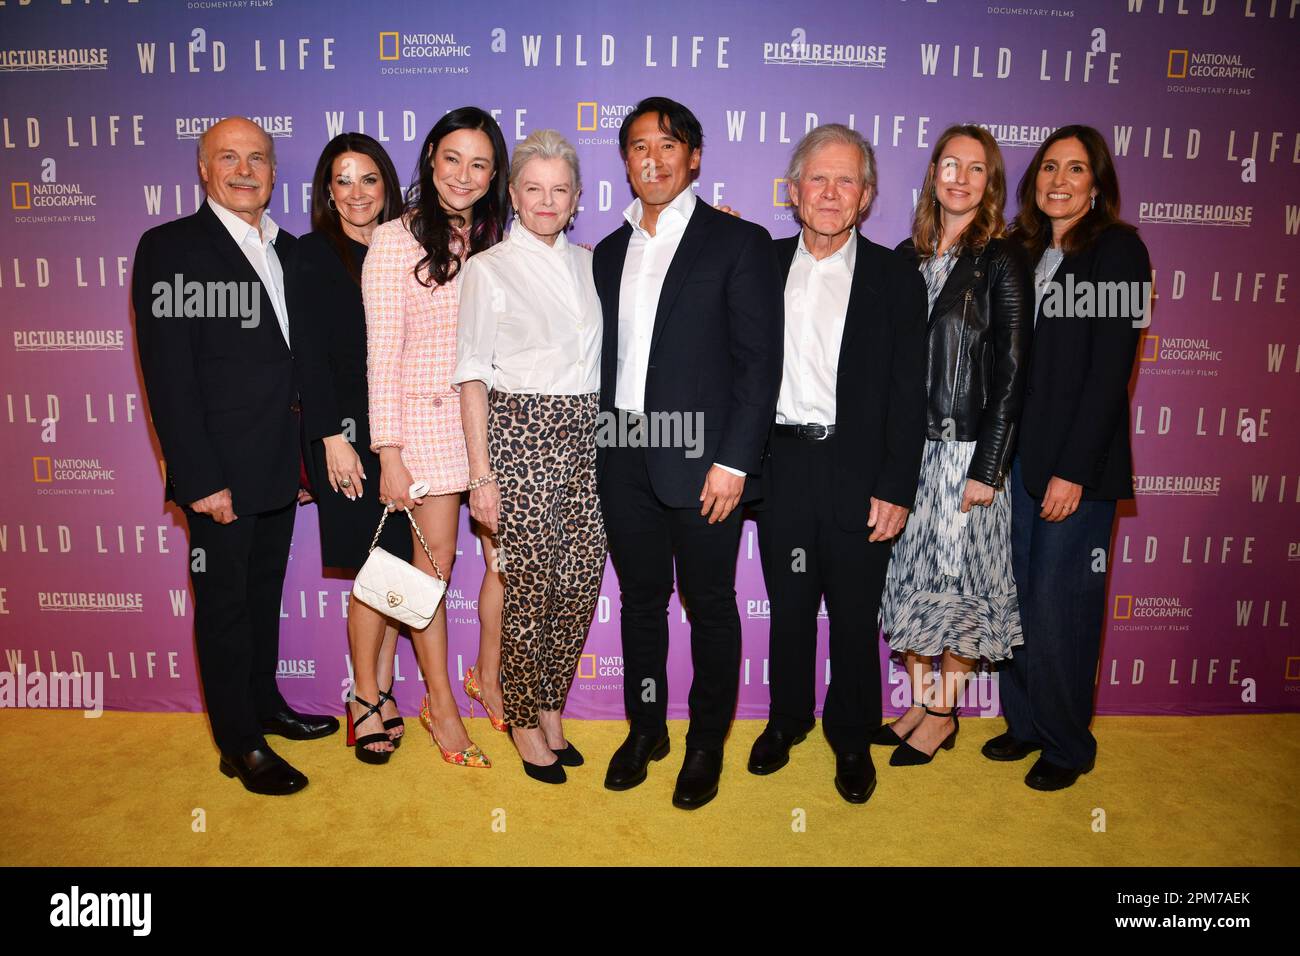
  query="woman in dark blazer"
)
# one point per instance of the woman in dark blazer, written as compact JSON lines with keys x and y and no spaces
{"x":950,"y":591}
{"x":1073,"y":460}
{"x":355,"y":188}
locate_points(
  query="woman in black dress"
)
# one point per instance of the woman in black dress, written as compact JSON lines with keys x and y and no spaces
{"x":354,"y":189}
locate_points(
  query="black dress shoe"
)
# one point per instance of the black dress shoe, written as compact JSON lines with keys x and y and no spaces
{"x":627,"y":767}
{"x":296,"y":726}
{"x":263,"y":771}
{"x":855,"y":776}
{"x":1045,"y":775}
{"x":569,"y":756}
{"x":771,"y":751}
{"x":1006,"y":747}
{"x":697,"y":783}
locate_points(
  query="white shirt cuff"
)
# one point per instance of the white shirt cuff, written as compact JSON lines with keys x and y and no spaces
{"x":734,"y":471}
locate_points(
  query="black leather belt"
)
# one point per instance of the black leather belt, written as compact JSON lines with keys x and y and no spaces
{"x":809,"y":432}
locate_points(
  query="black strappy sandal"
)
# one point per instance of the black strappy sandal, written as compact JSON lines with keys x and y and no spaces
{"x":358,"y":744}
{"x":384,"y":697}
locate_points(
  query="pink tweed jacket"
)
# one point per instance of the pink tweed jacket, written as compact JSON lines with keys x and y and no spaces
{"x":410,"y":355}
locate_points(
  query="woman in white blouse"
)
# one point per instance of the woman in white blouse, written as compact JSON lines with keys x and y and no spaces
{"x":528,"y":365}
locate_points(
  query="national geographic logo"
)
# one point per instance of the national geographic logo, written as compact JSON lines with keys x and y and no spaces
{"x":86,"y":476}
{"x":193,"y":127}
{"x":593,"y":117}
{"x":605,"y":670}
{"x":1194,"y":64}
{"x":1148,"y":612}
{"x":49,"y":196}
{"x":797,"y":51}
{"x":63,"y":58}
{"x":68,"y":340}
{"x":415,"y":52}
{"x":1178,"y":355}
{"x":1196,"y":214}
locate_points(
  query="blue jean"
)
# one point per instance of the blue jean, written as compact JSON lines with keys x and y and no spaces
{"x":1047,"y":688}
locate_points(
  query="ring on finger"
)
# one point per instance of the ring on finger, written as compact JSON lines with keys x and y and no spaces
{"x":345,"y":482}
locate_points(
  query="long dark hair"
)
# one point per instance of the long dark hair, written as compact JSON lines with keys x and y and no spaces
{"x":1034,"y":230}
{"x":429,"y":222}
{"x":325,"y":219}
{"x":988,"y":223}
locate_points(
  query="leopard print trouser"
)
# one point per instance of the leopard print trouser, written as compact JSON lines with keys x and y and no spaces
{"x":552,"y":543}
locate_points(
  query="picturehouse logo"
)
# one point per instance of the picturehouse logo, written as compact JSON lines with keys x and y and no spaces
{"x":68,"y":340}
{"x":63,"y":58}
{"x":1196,"y":214}
{"x":193,"y":127}
{"x":798,"y":51}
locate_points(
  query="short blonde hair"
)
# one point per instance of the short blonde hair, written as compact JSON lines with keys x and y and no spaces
{"x":545,"y":144}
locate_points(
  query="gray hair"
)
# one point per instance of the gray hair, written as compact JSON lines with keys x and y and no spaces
{"x":203,"y":140}
{"x":545,"y":144}
{"x":824,"y":136}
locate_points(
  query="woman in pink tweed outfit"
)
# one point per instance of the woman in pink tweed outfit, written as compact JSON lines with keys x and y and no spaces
{"x":457,"y":206}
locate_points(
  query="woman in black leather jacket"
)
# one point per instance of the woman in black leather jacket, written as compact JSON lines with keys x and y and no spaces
{"x":950,"y":590}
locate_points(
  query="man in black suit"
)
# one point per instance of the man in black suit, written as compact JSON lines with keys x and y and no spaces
{"x":844,"y":457}
{"x":692,"y":312}
{"x":214,"y":339}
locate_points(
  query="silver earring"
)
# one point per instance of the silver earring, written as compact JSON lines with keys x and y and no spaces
{"x":1093,"y":204}
{"x":329,"y":201}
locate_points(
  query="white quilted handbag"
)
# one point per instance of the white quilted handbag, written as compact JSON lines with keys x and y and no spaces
{"x":400,"y":590}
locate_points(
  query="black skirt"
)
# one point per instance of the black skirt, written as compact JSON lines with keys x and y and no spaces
{"x":346,"y":527}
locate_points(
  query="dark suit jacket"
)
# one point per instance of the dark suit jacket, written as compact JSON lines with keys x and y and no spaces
{"x":880,"y":397}
{"x":1075,"y":423}
{"x":220,"y":394}
{"x":715,"y":349}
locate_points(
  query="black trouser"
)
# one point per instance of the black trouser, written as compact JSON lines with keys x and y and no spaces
{"x":645,"y":536}
{"x":237,"y":620}
{"x":1047,"y":687}
{"x":806,"y":554}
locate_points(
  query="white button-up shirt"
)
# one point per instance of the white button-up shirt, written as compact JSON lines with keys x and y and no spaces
{"x":529,"y":318}
{"x":260,"y":253}
{"x":644,"y":268}
{"x":816,"y":303}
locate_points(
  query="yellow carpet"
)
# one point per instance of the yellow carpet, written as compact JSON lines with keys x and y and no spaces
{"x":122,"y":790}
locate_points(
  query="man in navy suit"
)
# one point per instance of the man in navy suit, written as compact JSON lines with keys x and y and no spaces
{"x":213,"y":333}
{"x":692,"y":310}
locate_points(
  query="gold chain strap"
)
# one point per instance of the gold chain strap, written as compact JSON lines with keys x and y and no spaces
{"x":374,"y":542}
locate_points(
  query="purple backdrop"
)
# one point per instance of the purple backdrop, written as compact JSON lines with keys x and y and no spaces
{"x":103,"y":103}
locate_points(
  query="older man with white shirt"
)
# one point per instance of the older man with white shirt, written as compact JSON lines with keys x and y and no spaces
{"x":219,"y":374}
{"x":844,"y":457}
